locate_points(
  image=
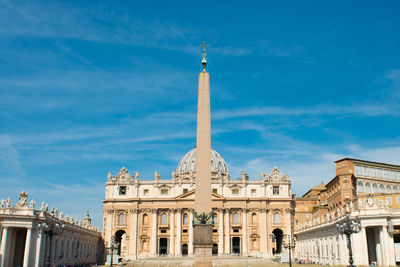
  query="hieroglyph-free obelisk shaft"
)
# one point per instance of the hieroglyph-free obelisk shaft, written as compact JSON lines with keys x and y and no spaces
{"x":202,"y":228}
{"x":203,"y":147}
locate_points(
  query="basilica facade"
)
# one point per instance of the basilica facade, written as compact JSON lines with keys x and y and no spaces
{"x":152,"y":218}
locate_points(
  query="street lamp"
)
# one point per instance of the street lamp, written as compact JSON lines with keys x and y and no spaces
{"x":113,"y":246}
{"x":51,"y":228}
{"x":349,"y":227}
{"x":290,"y":244}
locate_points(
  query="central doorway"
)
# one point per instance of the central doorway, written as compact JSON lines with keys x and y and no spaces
{"x":163,"y":246}
{"x":236,"y":245}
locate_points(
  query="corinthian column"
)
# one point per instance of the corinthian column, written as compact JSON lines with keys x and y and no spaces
{"x":133,"y":236}
{"x":153,"y":250}
{"x":179,"y":232}
{"x":172,"y":233}
{"x":190,"y":233}
{"x":245,"y":235}
{"x":221,"y":232}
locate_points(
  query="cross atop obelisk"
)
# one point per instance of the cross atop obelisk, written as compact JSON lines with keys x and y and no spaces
{"x":202,"y":223}
{"x":204,"y":60}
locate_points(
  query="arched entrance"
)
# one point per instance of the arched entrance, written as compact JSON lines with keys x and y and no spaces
{"x":236,"y":245}
{"x":163,"y":246}
{"x":184,"y":250}
{"x":120,"y":239}
{"x":277,"y":238}
{"x":215,"y":249}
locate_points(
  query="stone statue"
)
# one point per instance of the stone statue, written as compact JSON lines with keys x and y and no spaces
{"x":156,"y":175}
{"x":43,"y":206}
{"x":136,"y":175}
{"x":109,"y":176}
{"x":61,"y":215}
{"x":8,"y":203}
{"x":56,"y":212}
{"x":46,"y":207}
{"x":22,"y":200}
{"x":2,"y":203}
{"x":32,"y":204}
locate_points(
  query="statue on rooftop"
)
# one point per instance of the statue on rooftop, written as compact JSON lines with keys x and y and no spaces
{"x":32,"y":204}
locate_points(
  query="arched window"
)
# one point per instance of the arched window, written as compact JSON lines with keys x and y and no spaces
{"x":215,"y":218}
{"x":163,"y":219}
{"x":145,"y":219}
{"x":395,"y":189}
{"x":185,"y":219}
{"x":368,"y":188}
{"x":388,"y":189}
{"x":121,"y":219}
{"x":276,"y":217}
{"x":381,"y":188}
{"x":235,"y":217}
{"x":360,"y":187}
{"x":254,"y":218}
{"x":374,"y":188}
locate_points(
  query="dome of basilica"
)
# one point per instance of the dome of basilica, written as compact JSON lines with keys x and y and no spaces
{"x":188,"y":163}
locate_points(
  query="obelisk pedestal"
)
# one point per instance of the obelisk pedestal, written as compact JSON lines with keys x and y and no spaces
{"x":203,"y":216}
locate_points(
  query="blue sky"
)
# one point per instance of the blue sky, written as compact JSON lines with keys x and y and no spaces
{"x":87,"y":87}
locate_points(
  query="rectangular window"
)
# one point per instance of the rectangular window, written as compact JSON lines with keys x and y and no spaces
{"x":235,"y":191}
{"x":184,"y":230}
{"x":372,"y":172}
{"x":122,"y":190}
{"x":398,"y":200}
{"x":145,"y":192}
{"x":275,"y":190}
{"x":253,"y":192}
{"x":215,"y":231}
{"x":379,"y":173}
{"x":386,"y":174}
{"x":389,"y":200}
{"x":215,"y":190}
{"x":358,"y":170}
{"x":365,"y":171}
{"x":185,"y":190}
{"x":164,"y":191}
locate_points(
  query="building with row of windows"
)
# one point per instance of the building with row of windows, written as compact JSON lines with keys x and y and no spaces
{"x":368,"y":192}
{"x":150,"y":218}
{"x":39,"y":237}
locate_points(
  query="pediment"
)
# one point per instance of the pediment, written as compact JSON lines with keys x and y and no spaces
{"x":191,"y":195}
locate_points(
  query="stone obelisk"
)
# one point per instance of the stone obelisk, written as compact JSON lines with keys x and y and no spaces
{"x":202,"y":224}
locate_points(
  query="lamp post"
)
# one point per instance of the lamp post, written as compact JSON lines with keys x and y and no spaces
{"x":348,"y":227}
{"x":51,"y":228}
{"x":113,"y":246}
{"x":290,"y":244}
